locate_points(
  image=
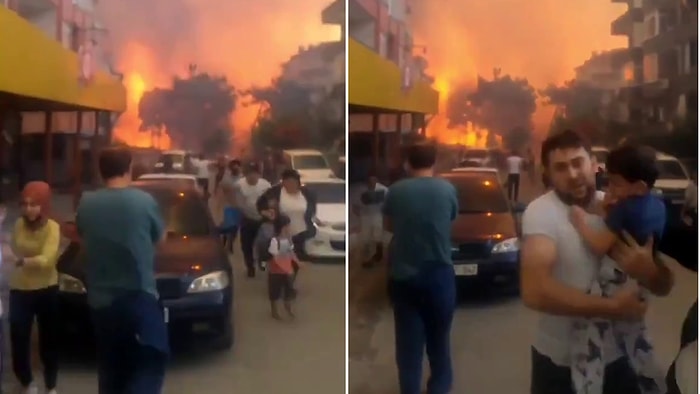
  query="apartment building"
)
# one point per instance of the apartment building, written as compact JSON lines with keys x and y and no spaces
{"x":57,"y":97}
{"x":388,"y":97}
{"x":661,"y":69}
{"x":605,"y":71}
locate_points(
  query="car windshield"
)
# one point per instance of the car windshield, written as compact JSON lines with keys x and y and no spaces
{"x":174,"y":157}
{"x":601,"y":156}
{"x":309,"y":162}
{"x":184,"y":213}
{"x":476,"y":154}
{"x":479,"y":194}
{"x":327,"y":193}
{"x":671,"y":169}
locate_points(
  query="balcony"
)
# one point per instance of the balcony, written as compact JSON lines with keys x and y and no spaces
{"x":31,"y":9}
{"x":334,"y":14}
{"x":622,"y":26}
{"x":674,"y":35}
{"x":378,"y":83}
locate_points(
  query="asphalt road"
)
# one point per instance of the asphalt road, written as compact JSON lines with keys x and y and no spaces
{"x":491,"y":336}
{"x":299,"y":357}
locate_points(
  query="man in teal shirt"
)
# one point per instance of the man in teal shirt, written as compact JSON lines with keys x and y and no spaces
{"x":119,"y":228}
{"x":419,"y":211}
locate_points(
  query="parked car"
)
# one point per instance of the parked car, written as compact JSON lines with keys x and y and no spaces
{"x":330,"y":222}
{"x":184,"y":181}
{"x":309,"y":163}
{"x":671,"y":184}
{"x":481,"y":156}
{"x":486,"y":249}
{"x":193,"y":275}
{"x":181,"y":160}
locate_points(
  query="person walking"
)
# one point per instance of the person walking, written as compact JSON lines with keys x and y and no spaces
{"x":419,"y":212}
{"x":514,"y":163}
{"x":299,"y":204}
{"x":129,"y":321}
{"x":367,"y":205}
{"x":201,"y":166}
{"x":558,"y":270}
{"x":34,"y":287}
{"x":248,"y":190}
{"x":223,"y":204}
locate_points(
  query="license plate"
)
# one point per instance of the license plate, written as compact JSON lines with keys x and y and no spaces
{"x":166,"y":315}
{"x":466,"y":269}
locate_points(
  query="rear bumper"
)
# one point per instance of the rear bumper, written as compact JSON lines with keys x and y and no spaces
{"x":501,"y":269}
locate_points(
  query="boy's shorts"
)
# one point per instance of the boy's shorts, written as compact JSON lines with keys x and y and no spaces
{"x":280,"y":286}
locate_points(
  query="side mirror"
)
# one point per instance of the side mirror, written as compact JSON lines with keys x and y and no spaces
{"x":70,"y":231}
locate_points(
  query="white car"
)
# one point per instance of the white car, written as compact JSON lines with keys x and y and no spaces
{"x":179,"y":157}
{"x":309,"y":163}
{"x":601,"y":155}
{"x":475,"y":155}
{"x":187,"y":180}
{"x":673,"y":179}
{"x":330,"y":220}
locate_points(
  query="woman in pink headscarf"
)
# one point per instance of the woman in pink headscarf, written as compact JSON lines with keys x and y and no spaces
{"x":34,"y":287}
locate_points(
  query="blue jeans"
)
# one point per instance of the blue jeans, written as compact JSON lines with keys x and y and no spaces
{"x":423,"y":309}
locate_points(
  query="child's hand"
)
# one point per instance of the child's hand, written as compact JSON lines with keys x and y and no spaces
{"x":577,"y":216}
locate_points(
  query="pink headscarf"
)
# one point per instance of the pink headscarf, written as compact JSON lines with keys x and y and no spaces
{"x":39,"y":193}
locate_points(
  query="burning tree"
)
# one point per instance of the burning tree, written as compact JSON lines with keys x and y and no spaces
{"x":293,"y":115}
{"x":503,"y":105}
{"x":194,"y":111}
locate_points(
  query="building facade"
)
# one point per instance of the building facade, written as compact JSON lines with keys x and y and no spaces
{"x":605,"y":71}
{"x":661,"y":69}
{"x":57,"y":95}
{"x":389,"y":97}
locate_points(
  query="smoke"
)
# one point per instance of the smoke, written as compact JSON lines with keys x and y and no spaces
{"x":246,"y":41}
{"x":542,"y":40}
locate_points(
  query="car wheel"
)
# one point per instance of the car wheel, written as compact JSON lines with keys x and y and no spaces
{"x":225,"y":339}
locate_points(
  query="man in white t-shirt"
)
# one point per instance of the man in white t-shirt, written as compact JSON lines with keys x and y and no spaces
{"x":248,"y":190}
{"x":515,"y":165}
{"x":201,"y":168}
{"x":558,"y":270}
{"x":367,"y":205}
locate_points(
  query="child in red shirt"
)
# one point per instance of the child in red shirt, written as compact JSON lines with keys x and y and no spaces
{"x":281,"y":268}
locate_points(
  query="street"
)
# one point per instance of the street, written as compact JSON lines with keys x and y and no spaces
{"x":306,"y":355}
{"x":491,"y":335}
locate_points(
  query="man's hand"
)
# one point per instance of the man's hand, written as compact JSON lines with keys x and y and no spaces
{"x":629,"y":304}
{"x":577,"y":216}
{"x":639,"y":262}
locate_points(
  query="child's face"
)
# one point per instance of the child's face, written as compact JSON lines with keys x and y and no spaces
{"x":620,"y":188}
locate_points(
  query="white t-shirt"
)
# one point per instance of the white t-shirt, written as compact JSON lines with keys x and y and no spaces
{"x":576,"y":266}
{"x":369,"y":209}
{"x":515,"y":164}
{"x":247,"y":196}
{"x":294,"y":206}
{"x":202,"y":168}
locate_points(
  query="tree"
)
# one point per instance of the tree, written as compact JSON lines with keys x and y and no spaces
{"x":285,"y":119}
{"x":502,"y":105}
{"x":193,"y":111}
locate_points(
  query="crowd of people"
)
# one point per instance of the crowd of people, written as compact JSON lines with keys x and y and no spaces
{"x":128,"y":318}
{"x":589,"y":261}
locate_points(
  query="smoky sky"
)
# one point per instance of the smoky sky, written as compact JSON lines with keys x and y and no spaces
{"x":245,"y":40}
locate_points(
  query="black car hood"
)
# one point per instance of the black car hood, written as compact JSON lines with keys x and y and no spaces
{"x":176,"y":256}
{"x":470,"y":227}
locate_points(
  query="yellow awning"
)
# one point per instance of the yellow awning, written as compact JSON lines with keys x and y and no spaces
{"x":376,"y":82}
{"x":34,"y":65}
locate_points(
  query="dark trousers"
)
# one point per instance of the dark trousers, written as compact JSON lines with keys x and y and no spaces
{"x":249,"y":230}
{"x":549,"y":378}
{"x":25,"y":305}
{"x":423,"y":309}
{"x":513,"y":186}
{"x":130,"y":354}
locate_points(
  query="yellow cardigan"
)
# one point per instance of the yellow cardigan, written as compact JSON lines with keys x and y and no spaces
{"x":40,"y":250}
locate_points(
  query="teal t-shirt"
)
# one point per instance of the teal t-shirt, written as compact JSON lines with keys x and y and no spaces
{"x":119,"y":230}
{"x":421,"y":211}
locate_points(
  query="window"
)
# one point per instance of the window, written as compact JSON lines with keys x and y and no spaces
{"x":327,"y":193}
{"x":75,"y":38}
{"x":183,"y":213}
{"x":309,"y":162}
{"x":651,"y":27}
{"x":671,"y":169}
{"x":479,"y":193}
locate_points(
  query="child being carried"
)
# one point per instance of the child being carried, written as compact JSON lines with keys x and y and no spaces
{"x":281,"y":268}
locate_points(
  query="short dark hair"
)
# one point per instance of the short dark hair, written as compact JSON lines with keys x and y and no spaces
{"x":280,"y":222}
{"x":291,"y":174}
{"x":421,"y":155}
{"x":114,"y":161}
{"x":567,"y":139}
{"x":252,"y":167}
{"x":634,"y":163}
{"x":263,"y":203}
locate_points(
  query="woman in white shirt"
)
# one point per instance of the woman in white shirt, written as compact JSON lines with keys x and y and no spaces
{"x":297,"y":203}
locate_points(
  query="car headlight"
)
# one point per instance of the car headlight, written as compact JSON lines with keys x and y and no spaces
{"x":509,"y":245}
{"x":70,"y":284}
{"x":210,"y":282}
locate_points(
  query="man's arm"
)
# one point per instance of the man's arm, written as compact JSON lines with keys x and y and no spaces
{"x":542,"y":292}
{"x":599,"y":241}
{"x":387,"y":212}
{"x":158,"y":233}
